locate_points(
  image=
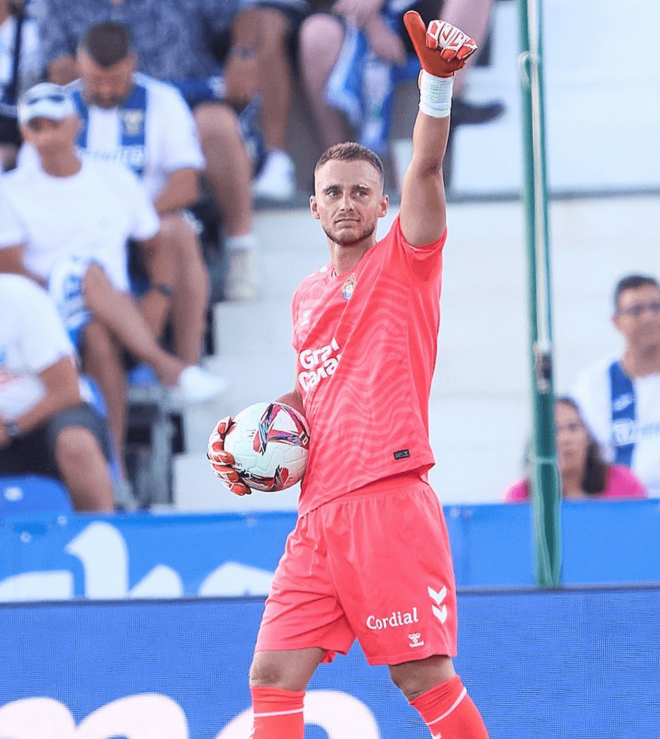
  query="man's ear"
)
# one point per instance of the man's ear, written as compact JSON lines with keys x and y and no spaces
{"x":314,"y":207}
{"x":384,"y":206}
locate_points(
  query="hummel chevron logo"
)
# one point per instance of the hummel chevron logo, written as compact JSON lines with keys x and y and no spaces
{"x":439,"y":613}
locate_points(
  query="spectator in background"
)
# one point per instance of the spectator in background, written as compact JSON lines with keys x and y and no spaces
{"x":146,"y":125}
{"x":348,"y":56}
{"x":20,"y":68}
{"x":174,"y":41}
{"x":582,"y":470}
{"x":620,"y":397}
{"x":66,"y":225}
{"x":45,"y":427}
{"x":269,"y":30}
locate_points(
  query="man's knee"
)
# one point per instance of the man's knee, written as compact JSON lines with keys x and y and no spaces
{"x":216,"y":120}
{"x":288,"y":670}
{"x":415,"y":678}
{"x":319,"y":35}
{"x":75,"y":446}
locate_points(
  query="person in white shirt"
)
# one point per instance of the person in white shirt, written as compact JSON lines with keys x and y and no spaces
{"x":45,"y":427}
{"x":146,"y":125}
{"x":66,"y":224}
{"x":619,"y":397}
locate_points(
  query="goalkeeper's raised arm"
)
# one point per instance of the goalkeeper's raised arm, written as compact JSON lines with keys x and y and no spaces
{"x":442,"y":49}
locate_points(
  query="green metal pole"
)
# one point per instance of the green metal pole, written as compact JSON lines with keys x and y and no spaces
{"x":546,"y":496}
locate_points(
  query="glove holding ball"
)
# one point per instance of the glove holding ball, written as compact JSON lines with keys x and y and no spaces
{"x":222,"y":461}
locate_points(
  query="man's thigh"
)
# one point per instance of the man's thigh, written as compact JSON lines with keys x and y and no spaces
{"x":393,"y":572}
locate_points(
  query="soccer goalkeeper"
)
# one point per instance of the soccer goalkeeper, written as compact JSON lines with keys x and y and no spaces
{"x":365,"y":333}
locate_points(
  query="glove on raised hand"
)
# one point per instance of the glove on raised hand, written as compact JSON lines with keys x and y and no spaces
{"x":442,"y":49}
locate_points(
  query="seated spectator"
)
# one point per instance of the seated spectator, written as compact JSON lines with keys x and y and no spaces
{"x":619,"y":397}
{"x":45,"y":427}
{"x":66,"y":225}
{"x":349,"y":59}
{"x":173,"y":41}
{"x":146,"y":125}
{"x":269,"y":29}
{"x":20,"y":68}
{"x":583,"y":473}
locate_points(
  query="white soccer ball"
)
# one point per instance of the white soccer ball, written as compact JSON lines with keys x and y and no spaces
{"x":270,"y":443}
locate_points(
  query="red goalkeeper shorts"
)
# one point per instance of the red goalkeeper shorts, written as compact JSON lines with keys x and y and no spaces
{"x":373,"y":565}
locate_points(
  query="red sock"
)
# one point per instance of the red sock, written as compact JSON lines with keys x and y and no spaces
{"x":449,"y":712}
{"x":278,"y":714}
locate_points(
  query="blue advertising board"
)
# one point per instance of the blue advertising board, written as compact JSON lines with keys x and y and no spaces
{"x":539,"y":664}
{"x":142,"y":555}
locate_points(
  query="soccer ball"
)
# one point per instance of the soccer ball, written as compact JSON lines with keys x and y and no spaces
{"x":270,"y":443}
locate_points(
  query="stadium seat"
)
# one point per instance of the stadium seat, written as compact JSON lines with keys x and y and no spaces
{"x":23,"y":494}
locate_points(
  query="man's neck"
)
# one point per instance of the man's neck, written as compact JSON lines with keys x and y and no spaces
{"x":61,"y":166}
{"x":641,"y":363}
{"x":346,"y":259}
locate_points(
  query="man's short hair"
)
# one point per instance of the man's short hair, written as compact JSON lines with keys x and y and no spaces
{"x":106,"y":43}
{"x":632,"y":282}
{"x":350,"y":152}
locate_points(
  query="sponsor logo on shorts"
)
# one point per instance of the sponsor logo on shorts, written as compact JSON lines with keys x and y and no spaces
{"x":415,"y":640}
{"x":396,"y":619}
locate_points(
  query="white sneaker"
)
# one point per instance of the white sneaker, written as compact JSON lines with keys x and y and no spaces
{"x":195,"y":386}
{"x":241,"y":283}
{"x":277,"y":180}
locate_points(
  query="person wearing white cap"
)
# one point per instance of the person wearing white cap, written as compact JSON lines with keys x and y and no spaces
{"x":66,"y":225}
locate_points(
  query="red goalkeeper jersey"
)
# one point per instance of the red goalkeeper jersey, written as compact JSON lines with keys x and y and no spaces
{"x":366,"y":345}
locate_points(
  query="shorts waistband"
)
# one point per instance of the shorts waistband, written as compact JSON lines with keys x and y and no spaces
{"x":396,"y":482}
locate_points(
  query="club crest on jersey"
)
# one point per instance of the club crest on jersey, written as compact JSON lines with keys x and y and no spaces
{"x":132,"y":122}
{"x":348,"y":287}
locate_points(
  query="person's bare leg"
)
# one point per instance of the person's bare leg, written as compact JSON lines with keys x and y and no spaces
{"x":159,"y":257}
{"x":321,"y":39}
{"x":117,"y":312}
{"x":191,"y":288}
{"x":103,"y":361}
{"x":414,"y":678}
{"x":289,"y":669}
{"x":84,"y":470}
{"x":228,"y":167}
{"x":275,"y":78}
{"x":472,"y":18}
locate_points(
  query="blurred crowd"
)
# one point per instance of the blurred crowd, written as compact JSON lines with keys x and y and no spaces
{"x":135,"y":139}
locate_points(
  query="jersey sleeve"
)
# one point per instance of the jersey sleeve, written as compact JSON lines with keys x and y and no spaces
{"x":181,"y":148}
{"x":145,"y":222}
{"x":44,"y":338}
{"x":591,"y":392}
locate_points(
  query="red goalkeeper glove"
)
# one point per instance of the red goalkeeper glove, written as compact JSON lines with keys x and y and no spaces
{"x":442,"y":49}
{"x":222,"y":461}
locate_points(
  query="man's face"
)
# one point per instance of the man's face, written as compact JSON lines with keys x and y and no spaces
{"x":638,"y":317}
{"x":105,"y":87}
{"x":51,"y":137}
{"x":348,"y":200}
